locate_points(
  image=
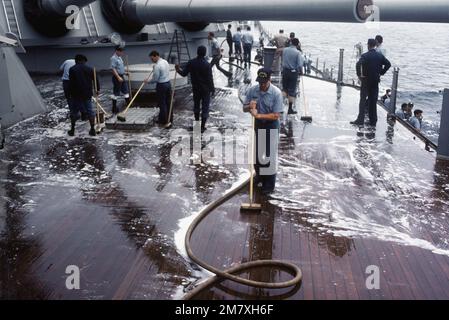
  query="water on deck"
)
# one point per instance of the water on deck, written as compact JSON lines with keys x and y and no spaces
{"x":117,"y":207}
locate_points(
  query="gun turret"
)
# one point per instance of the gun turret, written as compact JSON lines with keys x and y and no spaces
{"x":49,"y":16}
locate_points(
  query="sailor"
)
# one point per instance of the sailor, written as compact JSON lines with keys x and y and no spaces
{"x":216,"y":54}
{"x":237,"y":39}
{"x":81,"y":92}
{"x":65,"y":68}
{"x":280,"y":41}
{"x":379,"y":48}
{"x":292,"y":67}
{"x":247,"y":41}
{"x":118,"y":79}
{"x":416,"y":120}
{"x":161,"y":77}
{"x":264,"y":102}
{"x":202,"y":84}
{"x":371,"y":66}
{"x":229,"y":39}
{"x":402,"y":114}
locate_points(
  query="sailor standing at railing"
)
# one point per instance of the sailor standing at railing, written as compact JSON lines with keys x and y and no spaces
{"x":371,"y":66}
{"x":292,"y":68}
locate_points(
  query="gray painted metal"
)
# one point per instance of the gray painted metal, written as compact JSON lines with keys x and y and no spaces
{"x":340,"y":67}
{"x":142,"y":11}
{"x":268,"y":59}
{"x":394,"y":91}
{"x":20,"y":98}
{"x":59,"y":7}
{"x":413,"y":10}
{"x":443,"y":141}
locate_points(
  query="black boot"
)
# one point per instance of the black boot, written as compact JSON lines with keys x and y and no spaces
{"x":114,"y":107}
{"x":92,"y":131}
{"x":290,"y":109}
{"x":71,"y":132}
{"x":203,"y":125}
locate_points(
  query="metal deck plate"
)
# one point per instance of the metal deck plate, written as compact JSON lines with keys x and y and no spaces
{"x":136,"y":119}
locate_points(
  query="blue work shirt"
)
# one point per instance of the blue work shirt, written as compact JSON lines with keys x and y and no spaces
{"x":247,"y":38}
{"x":161,"y":72}
{"x":117,"y":64}
{"x":65,"y":68}
{"x":268,"y":102}
{"x":237,"y":38}
{"x":401,"y":115}
{"x":292,"y":59}
{"x":215,"y":48}
{"x":415,"y":122}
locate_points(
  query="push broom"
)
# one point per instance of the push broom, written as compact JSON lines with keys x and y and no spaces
{"x":98,"y":127}
{"x":169,"y":124}
{"x":252,"y":206}
{"x":306,"y":117}
{"x":122,"y":116}
{"x":129,"y":78}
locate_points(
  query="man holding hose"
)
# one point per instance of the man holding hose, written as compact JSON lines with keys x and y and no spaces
{"x":265,"y":103}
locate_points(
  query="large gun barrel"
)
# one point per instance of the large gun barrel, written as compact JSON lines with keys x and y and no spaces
{"x":150,"y":12}
{"x":49,"y":16}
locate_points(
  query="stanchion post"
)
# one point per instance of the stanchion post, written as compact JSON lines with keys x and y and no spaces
{"x":394,"y":91}
{"x":443,"y":140}
{"x":340,"y":67}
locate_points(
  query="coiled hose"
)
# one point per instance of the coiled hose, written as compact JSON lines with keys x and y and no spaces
{"x":231,"y":273}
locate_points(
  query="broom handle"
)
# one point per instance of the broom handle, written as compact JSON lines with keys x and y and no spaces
{"x":251,"y":165}
{"x":96,"y":96}
{"x":304,"y":97}
{"x":137,"y":93}
{"x":129,"y":79}
{"x":172,"y":98}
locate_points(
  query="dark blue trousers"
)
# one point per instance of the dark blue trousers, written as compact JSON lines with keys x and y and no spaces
{"x":269,"y":148}
{"x":368,"y":93}
{"x":201,"y":102}
{"x":163,"y":92}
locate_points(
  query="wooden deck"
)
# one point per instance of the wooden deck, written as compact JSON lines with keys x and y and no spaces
{"x":112,"y":205}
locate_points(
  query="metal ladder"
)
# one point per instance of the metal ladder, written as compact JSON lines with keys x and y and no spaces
{"x":11,"y":17}
{"x":179,"y":42}
{"x":90,"y":21}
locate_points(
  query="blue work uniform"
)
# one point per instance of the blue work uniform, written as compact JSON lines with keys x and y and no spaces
{"x":415,"y":123}
{"x":81,"y":90}
{"x":267,"y":134}
{"x":65,"y":68}
{"x":202,"y":85}
{"x":161,"y":76}
{"x":119,"y":88}
{"x":292,"y":67}
{"x":371,"y":66}
{"x":237,"y":39}
{"x":247,"y":41}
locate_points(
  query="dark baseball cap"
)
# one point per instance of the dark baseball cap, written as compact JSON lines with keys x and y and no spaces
{"x":263,"y":75}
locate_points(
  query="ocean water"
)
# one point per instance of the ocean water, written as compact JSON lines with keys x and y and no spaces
{"x":420,"y":50}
